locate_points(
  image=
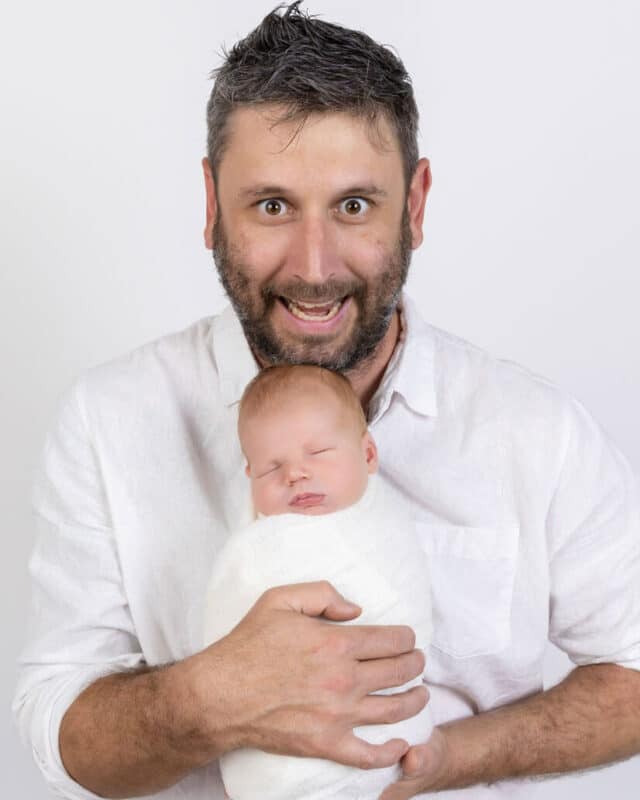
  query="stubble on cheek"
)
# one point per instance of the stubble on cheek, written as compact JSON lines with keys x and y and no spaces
{"x":236,"y":278}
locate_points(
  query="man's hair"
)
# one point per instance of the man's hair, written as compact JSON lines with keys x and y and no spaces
{"x":306,"y":65}
{"x":273,"y":383}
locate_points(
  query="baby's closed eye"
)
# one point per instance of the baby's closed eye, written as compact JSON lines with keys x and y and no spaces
{"x":269,"y":471}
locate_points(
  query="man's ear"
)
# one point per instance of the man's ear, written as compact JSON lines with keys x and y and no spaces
{"x":212,"y":203}
{"x":370,"y":452}
{"x":416,"y":200}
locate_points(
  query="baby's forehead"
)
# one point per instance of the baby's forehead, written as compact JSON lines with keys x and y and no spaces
{"x":309,"y":398}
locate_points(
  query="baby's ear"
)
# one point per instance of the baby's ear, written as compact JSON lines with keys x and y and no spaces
{"x":247,"y":470}
{"x":370,"y":452}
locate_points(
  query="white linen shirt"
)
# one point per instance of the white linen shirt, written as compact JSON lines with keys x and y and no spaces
{"x":521,"y":502}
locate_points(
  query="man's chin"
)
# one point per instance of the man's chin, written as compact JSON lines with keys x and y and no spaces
{"x":290,"y":342}
{"x":328,"y":356}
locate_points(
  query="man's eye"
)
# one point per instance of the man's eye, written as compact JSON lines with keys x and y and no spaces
{"x":354,"y":206}
{"x":272,"y":207}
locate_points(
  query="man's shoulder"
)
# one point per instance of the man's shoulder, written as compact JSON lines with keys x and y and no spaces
{"x":177,"y":350}
{"x":471,"y":376}
{"x":467,"y":355}
{"x":167,"y":370}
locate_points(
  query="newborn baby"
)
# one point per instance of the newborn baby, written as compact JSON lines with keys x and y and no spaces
{"x":322,"y":514}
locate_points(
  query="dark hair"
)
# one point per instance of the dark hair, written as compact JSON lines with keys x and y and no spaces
{"x":306,"y":65}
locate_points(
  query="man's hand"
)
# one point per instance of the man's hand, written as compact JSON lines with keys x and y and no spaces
{"x":286,"y":681}
{"x":591,"y":718}
{"x":423,"y":768}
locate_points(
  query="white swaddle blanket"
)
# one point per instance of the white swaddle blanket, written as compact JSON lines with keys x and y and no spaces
{"x":369,"y":552}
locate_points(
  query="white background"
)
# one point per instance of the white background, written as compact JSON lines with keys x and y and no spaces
{"x":530,"y":118}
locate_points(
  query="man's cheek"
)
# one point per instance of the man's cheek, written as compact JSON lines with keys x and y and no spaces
{"x":364,"y":254}
{"x":267,"y":255}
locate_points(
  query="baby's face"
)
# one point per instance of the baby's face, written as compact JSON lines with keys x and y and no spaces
{"x":306,"y":455}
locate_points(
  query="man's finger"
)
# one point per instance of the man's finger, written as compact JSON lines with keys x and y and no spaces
{"x":386,"y":673}
{"x":402,"y":790}
{"x":315,"y":599}
{"x":380,"y":641}
{"x":379,"y":709}
{"x":417,"y":759}
{"x":358,"y":753}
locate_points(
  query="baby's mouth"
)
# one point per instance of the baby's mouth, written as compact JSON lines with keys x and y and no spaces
{"x":307,"y":499}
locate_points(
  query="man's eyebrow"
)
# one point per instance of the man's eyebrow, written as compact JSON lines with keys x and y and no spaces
{"x":367,"y":189}
{"x":258,"y":192}
{"x":253,"y":192}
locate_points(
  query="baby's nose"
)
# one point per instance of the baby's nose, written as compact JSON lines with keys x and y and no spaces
{"x":296,"y":472}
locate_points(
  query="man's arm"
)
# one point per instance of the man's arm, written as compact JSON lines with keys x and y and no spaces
{"x":283,"y":680}
{"x":133,"y":733}
{"x":591,"y":718}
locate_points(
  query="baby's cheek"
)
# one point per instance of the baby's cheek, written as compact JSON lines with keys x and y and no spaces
{"x":259,"y":504}
{"x":268,"y":499}
{"x":354,"y":483}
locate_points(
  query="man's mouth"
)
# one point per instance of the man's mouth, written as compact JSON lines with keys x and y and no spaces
{"x":313,"y":312}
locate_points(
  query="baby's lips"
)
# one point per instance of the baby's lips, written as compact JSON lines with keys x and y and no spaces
{"x":306,"y":499}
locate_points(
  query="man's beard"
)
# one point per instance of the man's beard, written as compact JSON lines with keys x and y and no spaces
{"x":375,"y":300}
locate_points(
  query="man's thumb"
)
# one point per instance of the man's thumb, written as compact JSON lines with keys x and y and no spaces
{"x":316,"y":599}
{"x":341,"y":610}
{"x":415,"y":761}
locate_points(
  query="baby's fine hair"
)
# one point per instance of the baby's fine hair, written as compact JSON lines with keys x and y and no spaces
{"x":272,"y":383}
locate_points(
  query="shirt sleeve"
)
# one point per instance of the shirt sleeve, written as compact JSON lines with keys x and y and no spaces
{"x":80,"y":626}
{"x":594,"y":543}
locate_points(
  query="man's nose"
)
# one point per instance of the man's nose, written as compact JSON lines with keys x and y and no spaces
{"x":312,"y":254}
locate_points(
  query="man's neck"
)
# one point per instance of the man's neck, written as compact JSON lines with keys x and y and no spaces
{"x":365,"y":378}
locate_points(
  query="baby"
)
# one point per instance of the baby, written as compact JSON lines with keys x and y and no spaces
{"x":321,"y":514}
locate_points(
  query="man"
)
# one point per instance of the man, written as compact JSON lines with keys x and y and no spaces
{"x":315,"y":199}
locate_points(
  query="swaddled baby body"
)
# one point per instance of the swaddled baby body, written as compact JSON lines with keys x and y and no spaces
{"x":321,"y":514}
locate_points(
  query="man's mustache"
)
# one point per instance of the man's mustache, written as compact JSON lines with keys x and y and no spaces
{"x":328,"y":292}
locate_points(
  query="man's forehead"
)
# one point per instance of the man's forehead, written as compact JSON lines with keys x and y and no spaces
{"x":258,"y":136}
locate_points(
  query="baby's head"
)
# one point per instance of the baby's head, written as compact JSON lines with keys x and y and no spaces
{"x":305,"y":438}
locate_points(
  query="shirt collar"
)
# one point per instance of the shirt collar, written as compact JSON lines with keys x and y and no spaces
{"x":410,"y":371}
{"x":234,"y":359}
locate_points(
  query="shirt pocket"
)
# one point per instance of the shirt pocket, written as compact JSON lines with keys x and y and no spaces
{"x":472,"y":577}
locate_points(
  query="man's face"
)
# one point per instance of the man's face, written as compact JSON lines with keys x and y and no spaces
{"x":312,"y":216}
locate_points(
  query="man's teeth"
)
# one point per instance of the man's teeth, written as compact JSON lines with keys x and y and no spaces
{"x":301,"y":311}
